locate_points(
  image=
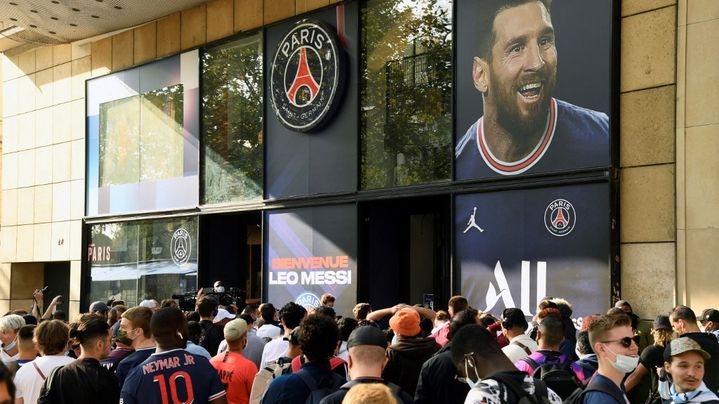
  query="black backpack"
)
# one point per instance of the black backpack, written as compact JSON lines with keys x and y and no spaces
{"x":541,"y":395}
{"x":577,"y":397}
{"x":327,"y":386}
{"x":556,"y":375}
{"x":46,"y":389}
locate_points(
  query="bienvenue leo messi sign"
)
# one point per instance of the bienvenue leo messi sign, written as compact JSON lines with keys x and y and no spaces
{"x":515,"y":247}
{"x":309,"y":252}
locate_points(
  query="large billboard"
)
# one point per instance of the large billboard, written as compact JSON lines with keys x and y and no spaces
{"x":512,"y":248}
{"x":534,"y":84}
{"x":309,"y":252}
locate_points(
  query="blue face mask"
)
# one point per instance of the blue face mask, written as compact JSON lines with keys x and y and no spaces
{"x":469,"y":359}
{"x":10,"y":346}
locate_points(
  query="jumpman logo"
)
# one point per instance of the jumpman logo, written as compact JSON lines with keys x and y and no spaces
{"x":473,"y":223}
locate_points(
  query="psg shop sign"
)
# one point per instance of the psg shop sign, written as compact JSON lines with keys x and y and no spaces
{"x":307,"y":76}
{"x":515,"y":247}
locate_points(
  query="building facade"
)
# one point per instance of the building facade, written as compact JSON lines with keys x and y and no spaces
{"x":384,"y":201}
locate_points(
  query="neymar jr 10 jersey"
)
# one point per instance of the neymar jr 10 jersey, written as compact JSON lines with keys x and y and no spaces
{"x":172,"y":377}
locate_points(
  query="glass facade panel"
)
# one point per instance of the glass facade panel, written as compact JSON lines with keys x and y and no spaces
{"x":406,"y":92}
{"x":143,"y":138}
{"x":133,"y":261}
{"x":232,"y":111}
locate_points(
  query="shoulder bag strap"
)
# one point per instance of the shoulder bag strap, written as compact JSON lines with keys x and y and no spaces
{"x":42,"y":375}
{"x":521,"y":345}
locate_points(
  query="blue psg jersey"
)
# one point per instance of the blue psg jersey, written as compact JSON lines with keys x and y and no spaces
{"x":172,"y":377}
{"x":574,"y":138}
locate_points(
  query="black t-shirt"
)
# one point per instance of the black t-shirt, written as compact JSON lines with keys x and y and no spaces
{"x":652,"y":357}
{"x":336,"y":398}
{"x":84,"y":381}
{"x":212,"y":336}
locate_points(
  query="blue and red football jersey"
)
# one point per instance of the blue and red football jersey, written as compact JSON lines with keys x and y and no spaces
{"x":172,"y":377}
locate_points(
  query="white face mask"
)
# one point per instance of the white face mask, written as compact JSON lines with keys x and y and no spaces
{"x":624,"y":363}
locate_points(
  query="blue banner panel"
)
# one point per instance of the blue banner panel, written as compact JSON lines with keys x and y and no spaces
{"x":512,"y":248}
{"x":309,"y":252}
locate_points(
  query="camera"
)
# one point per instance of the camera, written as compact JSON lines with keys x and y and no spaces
{"x":225,"y":297}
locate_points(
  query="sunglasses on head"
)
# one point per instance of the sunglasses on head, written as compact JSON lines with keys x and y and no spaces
{"x":626,"y":341}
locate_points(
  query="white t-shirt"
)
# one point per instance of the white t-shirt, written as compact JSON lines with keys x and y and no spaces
{"x":28,"y":381}
{"x":7,"y":359}
{"x":269,"y":330}
{"x":515,"y":352}
{"x":273,"y":351}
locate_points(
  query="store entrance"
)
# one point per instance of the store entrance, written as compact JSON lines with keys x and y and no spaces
{"x":231,"y":252}
{"x":405,"y":252}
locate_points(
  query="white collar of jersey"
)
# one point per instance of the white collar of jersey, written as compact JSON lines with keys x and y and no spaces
{"x":520,"y":166}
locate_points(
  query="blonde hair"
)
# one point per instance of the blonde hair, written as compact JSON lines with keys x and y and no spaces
{"x":369,"y":393}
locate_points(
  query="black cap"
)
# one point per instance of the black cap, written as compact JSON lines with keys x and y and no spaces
{"x":367,"y":335}
{"x":662,"y":323}
{"x":710,"y":315}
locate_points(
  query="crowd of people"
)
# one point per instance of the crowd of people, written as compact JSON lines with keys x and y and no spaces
{"x":156,"y":353}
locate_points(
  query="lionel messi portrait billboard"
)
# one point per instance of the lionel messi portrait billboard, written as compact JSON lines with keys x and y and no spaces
{"x":534,"y":87}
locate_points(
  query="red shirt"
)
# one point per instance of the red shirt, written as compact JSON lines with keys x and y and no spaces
{"x":237,"y":374}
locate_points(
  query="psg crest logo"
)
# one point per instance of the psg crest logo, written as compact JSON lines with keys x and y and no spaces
{"x":306,"y":76}
{"x":308,"y":300}
{"x":181,"y":246}
{"x":560,"y":217}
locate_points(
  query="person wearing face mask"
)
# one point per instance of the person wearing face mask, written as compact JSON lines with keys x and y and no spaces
{"x":684,"y":361}
{"x":135,"y":327}
{"x":235,"y":371}
{"x":172,"y":374}
{"x":491,"y":376}
{"x":9,"y":327}
{"x":709,"y":321}
{"x":684,"y":323}
{"x":84,"y":380}
{"x":612,"y":340}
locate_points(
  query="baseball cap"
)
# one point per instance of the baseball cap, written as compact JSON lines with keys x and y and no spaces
{"x":684,"y":344}
{"x":98,"y":306}
{"x":367,"y":335}
{"x":405,"y":322}
{"x":223,"y":314}
{"x":149,"y":304}
{"x":662,"y":323}
{"x":235,"y":329}
{"x":710,"y":315}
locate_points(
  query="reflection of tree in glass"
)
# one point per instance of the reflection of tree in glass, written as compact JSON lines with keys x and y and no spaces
{"x":161,"y":141}
{"x":232,"y":113}
{"x":406,"y":92}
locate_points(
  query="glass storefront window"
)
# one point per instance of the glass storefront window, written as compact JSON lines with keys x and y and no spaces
{"x":406,"y":92}
{"x":152,"y":259}
{"x":143,"y":138}
{"x":232,"y":108}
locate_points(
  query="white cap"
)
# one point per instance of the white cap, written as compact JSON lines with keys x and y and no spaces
{"x":235,"y":329}
{"x":223,"y":314}
{"x":150,"y":304}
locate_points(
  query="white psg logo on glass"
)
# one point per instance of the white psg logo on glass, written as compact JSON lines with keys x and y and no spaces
{"x":308,"y":300}
{"x":560,"y":217}
{"x":181,"y":246}
{"x":306,"y":76}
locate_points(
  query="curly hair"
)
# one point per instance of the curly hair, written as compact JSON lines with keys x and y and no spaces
{"x":318,"y":336}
